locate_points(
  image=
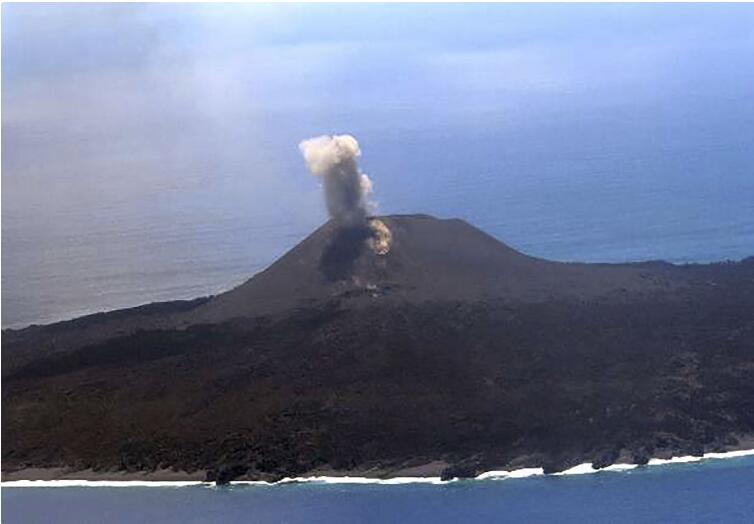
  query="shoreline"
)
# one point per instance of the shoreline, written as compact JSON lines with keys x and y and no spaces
{"x":183,"y":479}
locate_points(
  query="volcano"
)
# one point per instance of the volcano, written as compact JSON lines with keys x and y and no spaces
{"x":442,"y":348}
{"x":428,"y":260}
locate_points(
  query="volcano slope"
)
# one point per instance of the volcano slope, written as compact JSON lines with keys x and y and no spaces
{"x":451,"y":349}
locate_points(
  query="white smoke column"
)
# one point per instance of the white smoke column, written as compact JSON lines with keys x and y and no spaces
{"x":347,"y":189}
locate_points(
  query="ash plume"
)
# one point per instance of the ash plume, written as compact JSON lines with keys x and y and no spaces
{"x":347,"y":189}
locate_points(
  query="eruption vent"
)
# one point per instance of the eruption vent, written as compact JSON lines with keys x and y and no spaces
{"x":381,"y":237}
{"x":347,"y":189}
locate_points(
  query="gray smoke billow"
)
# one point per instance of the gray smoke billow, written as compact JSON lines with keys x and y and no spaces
{"x":347,"y":189}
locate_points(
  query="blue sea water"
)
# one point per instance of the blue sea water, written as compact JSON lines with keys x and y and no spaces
{"x":711,"y":491}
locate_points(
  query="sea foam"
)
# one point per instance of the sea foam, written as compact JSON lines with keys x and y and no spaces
{"x":580,"y":469}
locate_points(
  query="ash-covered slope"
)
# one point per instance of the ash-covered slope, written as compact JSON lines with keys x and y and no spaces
{"x":427,"y":260}
{"x":366,"y":349}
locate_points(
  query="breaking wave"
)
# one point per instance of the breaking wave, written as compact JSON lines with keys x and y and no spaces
{"x":581,"y":469}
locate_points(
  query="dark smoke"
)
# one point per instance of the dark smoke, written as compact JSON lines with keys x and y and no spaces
{"x":347,"y":196}
{"x":347,"y":189}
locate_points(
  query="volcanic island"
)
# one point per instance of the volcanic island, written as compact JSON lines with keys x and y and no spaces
{"x":386,"y":346}
{"x":396,"y":345}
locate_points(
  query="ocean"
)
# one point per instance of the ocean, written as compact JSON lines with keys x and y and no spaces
{"x":707,"y":491}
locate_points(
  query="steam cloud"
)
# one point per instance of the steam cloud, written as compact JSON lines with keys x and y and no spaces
{"x":347,"y":189}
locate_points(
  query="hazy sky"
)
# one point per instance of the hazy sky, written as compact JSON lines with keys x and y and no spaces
{"x":125,"y":126}
{"x":158,"y":91}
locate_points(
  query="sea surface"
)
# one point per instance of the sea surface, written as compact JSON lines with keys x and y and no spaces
{"x":708,"y":491}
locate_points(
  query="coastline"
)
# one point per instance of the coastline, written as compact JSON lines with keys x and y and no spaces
{"x":58,"y":477}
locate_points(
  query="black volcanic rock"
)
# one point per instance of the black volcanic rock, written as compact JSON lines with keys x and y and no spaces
{"x":606,"y":458}
{"x":451,"y":347}
{"x":225,"y":474}
{"x":556,"y":464}
{"x":641,"y":457}
{"x":464,"y":469}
